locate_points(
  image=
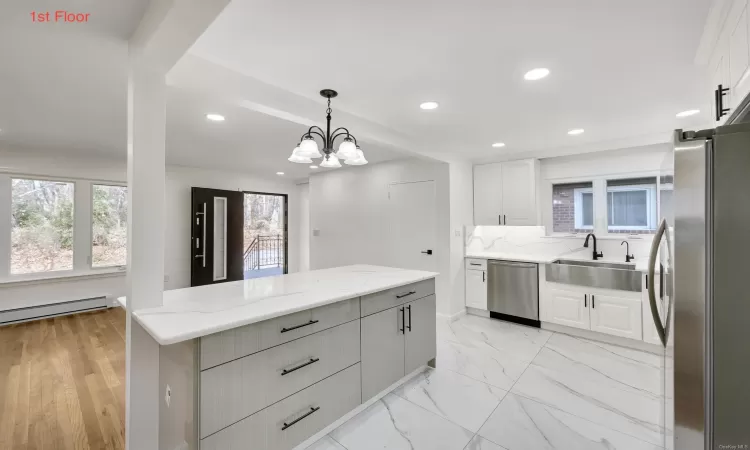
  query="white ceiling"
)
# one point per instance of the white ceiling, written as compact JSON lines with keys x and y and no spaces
{"x":619,"y":69}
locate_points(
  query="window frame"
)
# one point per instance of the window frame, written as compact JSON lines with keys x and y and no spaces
{"x":601,"y":213}
{"x":578,"y":200}
{"x":90,"y":259}
{"x":651,"y":207}
{"x":82,"y":233}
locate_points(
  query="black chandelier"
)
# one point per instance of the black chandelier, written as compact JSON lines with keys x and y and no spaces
{"x":348,"y":151}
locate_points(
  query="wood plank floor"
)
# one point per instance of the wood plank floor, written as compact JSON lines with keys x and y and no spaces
{"x":62,"y":383}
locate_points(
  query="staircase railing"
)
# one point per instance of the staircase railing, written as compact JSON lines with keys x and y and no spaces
{"x":263,"y":252}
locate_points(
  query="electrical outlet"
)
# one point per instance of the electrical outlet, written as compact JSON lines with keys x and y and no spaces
{"x":457,"y":233}
{"x":166,"y":278}
{"x":168,"y":396}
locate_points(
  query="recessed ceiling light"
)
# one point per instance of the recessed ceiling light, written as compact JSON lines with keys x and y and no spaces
{"x":689,"y":112}
{"x":429,"y":105}
{"x":279,"y":173}
{"x":215,"y":117}
{"x":498,"y":144}
{"x":313,"y":167}
{"x":536,"y":74}
{"x":576,"y":131}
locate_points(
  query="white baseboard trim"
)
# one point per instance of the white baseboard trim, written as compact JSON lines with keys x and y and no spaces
{"x":477,"y":312}
{"x":606,"y":338}
{"x":453,"y":317}
{"x":30,"y":313}
{"x":319,"y":435}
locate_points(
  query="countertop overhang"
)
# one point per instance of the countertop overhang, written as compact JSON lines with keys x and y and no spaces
{"x":191,"y":313}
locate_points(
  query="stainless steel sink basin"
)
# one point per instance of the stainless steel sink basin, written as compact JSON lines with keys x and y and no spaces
{"x":598,"y":274}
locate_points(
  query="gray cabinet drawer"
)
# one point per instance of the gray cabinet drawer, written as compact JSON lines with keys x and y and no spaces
{"x":380,"y":301}
{"x":235,"y":390}
{"x":232,"y":344}
{"x":334,"y":396}
{"x":313,"y":409}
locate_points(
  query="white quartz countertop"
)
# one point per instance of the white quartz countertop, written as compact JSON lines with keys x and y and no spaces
{"x":641,"y":264}
{"x":199,"y":311}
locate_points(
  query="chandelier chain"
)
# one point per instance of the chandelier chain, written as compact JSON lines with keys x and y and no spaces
{"x":329,"y":110}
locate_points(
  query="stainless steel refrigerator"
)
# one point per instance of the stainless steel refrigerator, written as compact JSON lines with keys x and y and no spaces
{"x":701,"y":308}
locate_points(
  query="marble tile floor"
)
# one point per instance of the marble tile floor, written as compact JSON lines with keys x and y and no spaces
{"x":501,"y":386}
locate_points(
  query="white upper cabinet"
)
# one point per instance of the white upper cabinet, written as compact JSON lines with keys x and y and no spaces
{"x":729,"y":59}
{"x":505,"y":193}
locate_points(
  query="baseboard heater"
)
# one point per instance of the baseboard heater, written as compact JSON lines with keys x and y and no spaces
{"x":11,"y":316}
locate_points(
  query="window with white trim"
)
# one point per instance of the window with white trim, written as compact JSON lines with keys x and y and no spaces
{"x":42,"y":217}
{"x":572,"y":207}
{"x":631,"y":205}
{"x":109,"y":227}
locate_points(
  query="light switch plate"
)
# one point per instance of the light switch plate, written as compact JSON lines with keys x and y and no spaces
{"x":168,"y":396}
{"x":316,"y":232}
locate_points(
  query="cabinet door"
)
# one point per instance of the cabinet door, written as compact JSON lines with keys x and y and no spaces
{"x":488,"y":196}
{"x":569,"y":308}
{"x":382,"y":350}
{"x":519,"y":193}
{"x":420,"y":333}
{"x":476,"y":289}
{"x":619,"y":316}
{"x":739,"y":51}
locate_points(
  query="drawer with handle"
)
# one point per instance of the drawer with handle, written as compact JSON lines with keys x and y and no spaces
{"x":289,"y":422}
{"x":380,"y":301}
{"x":476,"y":264}
{"x":235,"y":390}
{"x":243,"y":341}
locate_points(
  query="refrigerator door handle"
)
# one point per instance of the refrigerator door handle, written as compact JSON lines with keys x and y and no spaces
{"x":651,"y":292}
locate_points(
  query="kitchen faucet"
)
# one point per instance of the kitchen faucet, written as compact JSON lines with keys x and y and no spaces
{"x":628,"y":256}
{"x":586,"y":244}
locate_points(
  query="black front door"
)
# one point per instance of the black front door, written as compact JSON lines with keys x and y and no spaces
{"x":216,"y":238}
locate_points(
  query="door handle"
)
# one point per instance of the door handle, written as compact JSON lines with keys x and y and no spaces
{"x":427,"y":252}
{"x":409,"y":308}
{"x":403,"y":320}
{"x":202,"y":256}
{"x":651,"y":294}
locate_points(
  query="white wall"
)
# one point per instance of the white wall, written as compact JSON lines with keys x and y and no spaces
{"x":585,"y":167}
{"x":304,"y":227}
{"x":348,"y":207}
{"x":177,"y":253}
{"x":461,"y":214}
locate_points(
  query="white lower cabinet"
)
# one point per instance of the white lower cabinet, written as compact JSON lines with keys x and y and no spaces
{"x":616,"y":315}
{"x":602,"y":310}
{"x":567,"y":307}
{"x":476,"y":288}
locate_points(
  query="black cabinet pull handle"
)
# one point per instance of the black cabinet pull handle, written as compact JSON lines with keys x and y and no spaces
{"x":407,"y":294}
{"x":585,"y":300}
{"x":505,"y":221}
{"x":288,"y":371}
{"x":719,"y":95}
{"x":646,"y":281}
{"x":475,"y":264}
{"x":403,"y":321}
{"x":312,"y":322}
{"x":287,"y":425}
{"x":593,"y":301}
{"x":483,"y":275}
{"x":409,"y":308}
{"x":427,"y":252}
{"x":499,"y":219}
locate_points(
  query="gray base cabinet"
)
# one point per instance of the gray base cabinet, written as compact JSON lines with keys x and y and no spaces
{"x":396,"y":342}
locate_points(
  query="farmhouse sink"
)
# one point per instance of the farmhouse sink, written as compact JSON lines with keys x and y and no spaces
{"x":598,"y":274}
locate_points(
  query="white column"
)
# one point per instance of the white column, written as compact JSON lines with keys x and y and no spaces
{"x":82,"y":205}
{"x":146,"y":173}
{"x":5,"y":205}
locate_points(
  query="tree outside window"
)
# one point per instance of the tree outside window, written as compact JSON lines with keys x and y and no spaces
{"x":41,"y":226}
{"x":109,"y":226}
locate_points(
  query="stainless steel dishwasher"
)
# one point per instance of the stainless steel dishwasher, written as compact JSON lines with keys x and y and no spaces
{"x":513,"y":291}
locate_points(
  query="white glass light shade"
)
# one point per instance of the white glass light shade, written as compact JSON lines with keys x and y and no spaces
{"x":297,"y":158}
{"x":309,"y":148}
{"x":347,"y":149}
{"x":330,"y":161}
{"x":358,"y":161}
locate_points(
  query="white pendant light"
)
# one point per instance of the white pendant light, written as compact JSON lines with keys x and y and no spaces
{"x":331,"y":162}
{"x":358,"y":161}
{"x":347,"y":149}
{"x":309,"y":148}
{"x":298,"y":158}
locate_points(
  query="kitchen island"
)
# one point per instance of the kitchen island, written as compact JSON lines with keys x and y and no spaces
{"x":266,"y":363}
